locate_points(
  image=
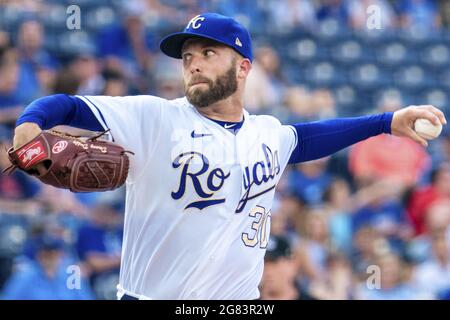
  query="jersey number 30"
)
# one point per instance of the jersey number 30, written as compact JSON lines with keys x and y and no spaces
{"x":261,"y":227}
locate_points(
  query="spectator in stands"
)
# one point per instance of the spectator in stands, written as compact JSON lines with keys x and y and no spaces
{"x":99,"y":244}
{"x":278,"y":222}
{"x":433,"y":275}
{"x":66,"y":82}
{"x":86,"y":69}
{"x":335,"y":10}
{"x":324,"y":103}
{"x":249,"y":13}
{"x":115,"y":84}
{"x":337,"y":202}
{"x":4,"y":40}
{"x":265,"y":84}
{"x":46,"y":278}
{"x":379,"y":206}
{"x":391,"y":277}
{"x":309,"y":180}
{"x":364,"y":249}
{"x":444,"y":8}
{"x":304,"y":105}
{"x":127,"y":41}
{"x":166,"y":78}
{"x":11,"y":103}
{"x":57,"y":201}
{"x":29,"y":6}
{"x":299,"y":103}
{"x":287,"y":213}
{"x":286,"y":15}
{"x":336,"y":284}
{"x":422,"y":198}
{"x":359,"y":14}
{"x":436,"y":220}
{"x":442,"y":147}
{"x":37,"y":67}
{"x":17,"y":190}
{"x":419,"y":13}
{"x":312,"y":251}
{"x":278,"y":281}
{"x":367,"y":163}
{"x":161,"y":15}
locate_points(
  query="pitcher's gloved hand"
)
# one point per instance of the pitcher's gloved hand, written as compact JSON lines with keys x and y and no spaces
{"x":69,"y":162}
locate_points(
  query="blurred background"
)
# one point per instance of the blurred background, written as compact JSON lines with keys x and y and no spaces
{"x":370,"y":222}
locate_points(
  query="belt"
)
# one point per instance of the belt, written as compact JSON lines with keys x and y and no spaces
{"x":128,"y":297}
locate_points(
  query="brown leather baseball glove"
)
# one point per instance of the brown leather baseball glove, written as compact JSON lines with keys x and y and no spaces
{"x":75,"y":163}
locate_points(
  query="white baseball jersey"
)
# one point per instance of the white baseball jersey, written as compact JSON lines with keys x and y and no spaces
{"x":198,"y":197}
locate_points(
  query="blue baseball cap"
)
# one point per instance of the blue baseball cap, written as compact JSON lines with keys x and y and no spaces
{"x":212,"y":26}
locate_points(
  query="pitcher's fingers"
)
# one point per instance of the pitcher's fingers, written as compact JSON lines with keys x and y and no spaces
{"x":413,"y":135}
{"x":424,"y":113}
{"x":438,"y":113}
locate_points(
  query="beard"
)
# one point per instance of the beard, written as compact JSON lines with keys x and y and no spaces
{"x":224,"y":86}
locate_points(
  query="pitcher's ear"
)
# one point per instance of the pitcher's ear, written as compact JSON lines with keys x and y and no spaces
{"x":244,"y":68}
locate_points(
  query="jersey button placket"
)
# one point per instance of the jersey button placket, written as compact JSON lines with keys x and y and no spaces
{"x":241,"y":166}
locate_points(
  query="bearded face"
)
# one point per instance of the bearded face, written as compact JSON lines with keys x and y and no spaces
{"x":202,"y":91}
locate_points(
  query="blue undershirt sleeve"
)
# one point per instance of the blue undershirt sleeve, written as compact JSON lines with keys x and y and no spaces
{"x":322,"y":138}
{"x":60,"y":109}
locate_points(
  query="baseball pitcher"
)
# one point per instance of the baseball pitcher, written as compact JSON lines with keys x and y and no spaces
{"x":201,"y":181}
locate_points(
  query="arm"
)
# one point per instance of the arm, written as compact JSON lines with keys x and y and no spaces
{"x":50,"y":111}
{"x":101,"y":262}
{"x":322,"y":138}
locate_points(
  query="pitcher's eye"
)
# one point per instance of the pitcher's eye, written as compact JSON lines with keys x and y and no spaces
{"x":208,"y":52}
{"x":186,"y":56}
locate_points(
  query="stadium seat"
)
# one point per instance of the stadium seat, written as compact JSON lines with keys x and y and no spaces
{"x":55,"y":18}
{"x":437,"y":97}
{"x":436,"y":55}
{"x":419,"y":37}
{"x":305,"y":50}
{"x":88,"y":4}
{"x":330,"y":31}
{"x":324,"y":74}
{"x":13,"y":234}
{"x":347,"y":100}
{"x":365,"y":102}
{"x":349,"y":52}
{"x":411,"y":77}
{"x":394,"y":53}
{"x":75,"y":42}
{"x":373,"y":38}
{"x":369,"y":76}
{"x":345,"y":95}
{"x":100,"y":17}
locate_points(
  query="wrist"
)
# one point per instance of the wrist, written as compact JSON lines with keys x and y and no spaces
{"x":387,"y":120}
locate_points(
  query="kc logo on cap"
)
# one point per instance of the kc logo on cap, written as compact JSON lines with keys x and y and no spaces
{"x":211,"y":26}
{"x":194,"y":23}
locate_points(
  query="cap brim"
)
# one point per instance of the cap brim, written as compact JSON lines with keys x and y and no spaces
{"x":173,"y":43}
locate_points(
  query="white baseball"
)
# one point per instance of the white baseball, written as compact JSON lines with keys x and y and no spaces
{"x":426,"y":129}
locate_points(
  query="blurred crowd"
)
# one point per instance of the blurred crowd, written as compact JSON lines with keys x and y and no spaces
{"x":370,"y":222}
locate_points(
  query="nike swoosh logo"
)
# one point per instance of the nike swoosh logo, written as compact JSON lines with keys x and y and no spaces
{"x":229,"y":126}
{"x":199,"y":135}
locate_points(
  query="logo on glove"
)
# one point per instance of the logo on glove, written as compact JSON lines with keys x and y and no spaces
{"x":59,"y":146}
{"x":31,"y":154}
